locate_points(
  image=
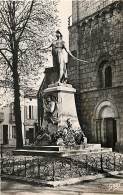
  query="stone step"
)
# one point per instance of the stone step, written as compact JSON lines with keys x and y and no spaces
{"x":25,"y":152}
{"x":54,"y":148}
{"x":63,"y":148}
{"x":67,"y":152}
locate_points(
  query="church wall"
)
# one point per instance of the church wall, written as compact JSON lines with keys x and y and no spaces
{"x":100,"y":38}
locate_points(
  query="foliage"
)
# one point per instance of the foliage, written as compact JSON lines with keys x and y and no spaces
{"x":65,"y":136}
{"x":33,"y":28}
{"x":69,"y":136}
{"x":24,"y":28}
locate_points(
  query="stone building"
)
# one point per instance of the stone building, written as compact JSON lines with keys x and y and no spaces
{"x":96,"y":35}
{"x":7,"y":124}
{"x":29,"y":118}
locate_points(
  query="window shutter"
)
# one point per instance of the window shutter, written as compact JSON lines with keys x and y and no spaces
{"x":25,"y":112}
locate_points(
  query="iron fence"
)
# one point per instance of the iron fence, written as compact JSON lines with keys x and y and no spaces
{"x":55,"y":169}
{"x":102,"y":161}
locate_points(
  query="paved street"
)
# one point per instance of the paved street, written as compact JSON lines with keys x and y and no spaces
{"x":101,"y":186}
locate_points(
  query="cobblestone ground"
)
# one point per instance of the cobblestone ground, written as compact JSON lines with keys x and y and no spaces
{"x":107,"y":186}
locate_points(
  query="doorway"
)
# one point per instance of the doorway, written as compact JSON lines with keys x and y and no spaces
{"x":31,"y":135}
{"x":5,"y":134}
{"x":110,"y":132}
{"x":107,"y":124}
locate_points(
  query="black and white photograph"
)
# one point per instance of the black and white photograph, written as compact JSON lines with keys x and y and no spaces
{"x":61,"y":97}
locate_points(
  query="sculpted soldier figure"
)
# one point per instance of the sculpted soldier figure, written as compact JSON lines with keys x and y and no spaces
{"x":59,"y":58}
{"x":50,"y":110}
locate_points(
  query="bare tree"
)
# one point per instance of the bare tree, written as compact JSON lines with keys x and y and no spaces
{"x":24,"y":27}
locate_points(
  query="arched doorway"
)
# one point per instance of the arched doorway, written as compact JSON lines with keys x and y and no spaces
{"x":106,"y":124}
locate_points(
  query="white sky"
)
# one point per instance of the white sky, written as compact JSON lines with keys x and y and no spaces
{"x":65,"y":10}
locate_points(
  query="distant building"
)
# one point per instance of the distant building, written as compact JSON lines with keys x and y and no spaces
{"x":7,"y":125}
{"x":96,"y":35}
{"x":28,"y":116}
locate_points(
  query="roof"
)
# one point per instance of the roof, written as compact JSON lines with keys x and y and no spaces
{"x":29,"y":92}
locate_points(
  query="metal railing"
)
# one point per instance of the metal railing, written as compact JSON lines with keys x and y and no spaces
{"x":52,"y":169}
{"x":55,"y":169}
{"x":103,"y":161}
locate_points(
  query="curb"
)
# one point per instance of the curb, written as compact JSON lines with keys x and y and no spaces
{"x":54,"y":183}
{"x":115,"y":174}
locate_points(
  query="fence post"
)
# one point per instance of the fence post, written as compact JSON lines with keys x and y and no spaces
{"x":86,"y":163}
{"x":1,"y":166}
{"x":114,"y":162}
{"x":70,"y":165}
{"x":25,"y":166}
{"x":1,"y":150}
{"x":101,"y":161}
{"x":33,"y":166}
{"x":53,"y":170}
{"x":38,"y":169}
{"x":13,"y":166}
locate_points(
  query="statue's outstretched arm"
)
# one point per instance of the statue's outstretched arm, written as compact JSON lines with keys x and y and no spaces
{"x":69,"y":52}
{"x":44,"y":48}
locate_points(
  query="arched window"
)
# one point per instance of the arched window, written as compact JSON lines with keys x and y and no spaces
{"x":108,"y":76}
{"x":105,"y":75}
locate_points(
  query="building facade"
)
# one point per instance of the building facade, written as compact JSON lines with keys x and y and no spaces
{"x":28,"y":117}
{"x":96,"y":35}
{"x":7,"y":125}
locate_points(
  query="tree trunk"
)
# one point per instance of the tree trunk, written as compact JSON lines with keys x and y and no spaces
{"x":17,"y":107}
{"x":17,"y":110}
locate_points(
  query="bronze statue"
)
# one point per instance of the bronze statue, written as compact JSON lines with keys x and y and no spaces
{"x":58,"y":57}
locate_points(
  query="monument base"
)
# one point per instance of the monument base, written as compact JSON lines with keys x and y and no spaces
{"x":60,"y":125}
{"x":60,"y":151}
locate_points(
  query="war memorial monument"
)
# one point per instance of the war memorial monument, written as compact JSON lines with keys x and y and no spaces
{"x":60,"y":133}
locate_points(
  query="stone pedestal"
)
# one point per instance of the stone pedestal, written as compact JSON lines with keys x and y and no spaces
{"x":60,"y":124}
{"x":65,"y":103}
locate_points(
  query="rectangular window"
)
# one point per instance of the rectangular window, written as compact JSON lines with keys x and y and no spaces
{"x":30,"y":112}
{"x":14,"y":132}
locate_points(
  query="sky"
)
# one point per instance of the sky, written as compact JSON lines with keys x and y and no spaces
{"x":65,"y":10}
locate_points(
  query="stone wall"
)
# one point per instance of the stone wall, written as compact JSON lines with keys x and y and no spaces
{"x":100,"y":39}
{"x":89,"y":101}
{"x":84,"y":8}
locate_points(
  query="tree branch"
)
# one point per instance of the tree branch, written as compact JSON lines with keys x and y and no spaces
{"x":8,"y":62}
{"x":24,"y":26}
{"x":4,"y":20}
{"x":5,"y":49}
{"x":22,"y":12}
